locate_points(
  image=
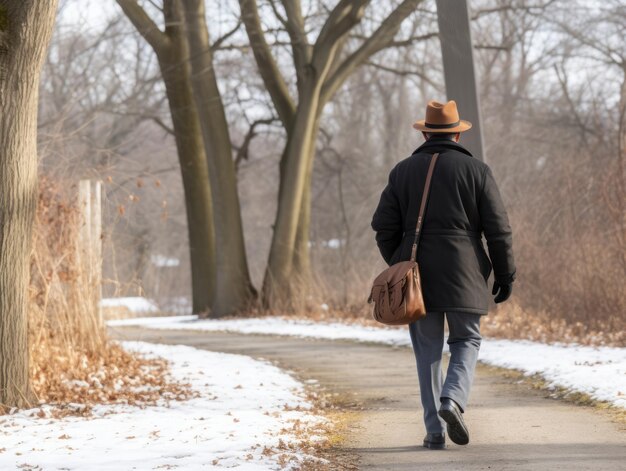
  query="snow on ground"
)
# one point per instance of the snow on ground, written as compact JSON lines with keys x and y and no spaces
{"x":243,"y":406}
{"x":135,"y":304}
{"x":597,"y":371}
{"x":275,"y":326}
{"x":177,"y":305}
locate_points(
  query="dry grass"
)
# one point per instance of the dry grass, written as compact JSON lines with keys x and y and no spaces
{"x":508,"y":320}
{"x":511,"y":320}
{"x":324,"y":444}
{"x":570,"y":318}
{"x":71,"y":359}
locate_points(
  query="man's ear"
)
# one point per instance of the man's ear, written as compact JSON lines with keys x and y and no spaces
{"x":457,"y":137}
{"x":425,"y":134}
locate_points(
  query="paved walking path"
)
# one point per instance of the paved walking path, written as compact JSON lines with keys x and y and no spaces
{"x":511,"y":425}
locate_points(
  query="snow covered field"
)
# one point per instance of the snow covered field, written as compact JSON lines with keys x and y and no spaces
{"x":597,"y":371}
{"x":244,"y":406}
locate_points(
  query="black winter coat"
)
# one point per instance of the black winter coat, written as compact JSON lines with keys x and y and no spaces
{"x":464,"y":203}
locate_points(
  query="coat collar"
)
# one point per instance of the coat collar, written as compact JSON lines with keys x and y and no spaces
{"x":440,"y":145}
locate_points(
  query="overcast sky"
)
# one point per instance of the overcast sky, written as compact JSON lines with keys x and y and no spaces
{"x":86,"y":13}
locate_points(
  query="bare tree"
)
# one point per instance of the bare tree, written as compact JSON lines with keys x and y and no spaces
{"x":321,"y":68}
{"x":171,"y":49}
{"x":234,"y":290}
{"x":598,"y":31}
{"x":25,"y":31}
{"x":88,"y":126}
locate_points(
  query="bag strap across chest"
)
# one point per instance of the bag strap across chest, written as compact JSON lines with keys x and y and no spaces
{"x":420,"y":217}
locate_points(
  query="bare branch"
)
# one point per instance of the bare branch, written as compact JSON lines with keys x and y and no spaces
{"x":271,"y":75}
{"x":243,"y":150}
{"x":164,"y":126}
{"x":377,"y":41}
{"x":295,"y":28}
{"x":345,"y":15}
{"x":339,"y":18}
{"x":412,"y":40}
{"x":144,"y":24}
{"x":278,"y":14}
{"x":611,"y":55}
{"x":562,"y":78}
{"x":492,"y":47}
{"x":173,"y":16}
{"x":155,"y":5}
{"x":500,"y":9}
{"x":219,"y":41}
{"x":400,"y":72}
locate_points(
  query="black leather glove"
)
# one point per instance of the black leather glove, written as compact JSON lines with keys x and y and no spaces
{"x":501,"y":291}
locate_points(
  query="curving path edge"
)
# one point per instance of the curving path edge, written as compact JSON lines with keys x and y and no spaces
{"x":511,"y":425}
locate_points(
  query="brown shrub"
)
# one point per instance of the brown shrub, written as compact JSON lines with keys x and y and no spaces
{"x":71,"y":358}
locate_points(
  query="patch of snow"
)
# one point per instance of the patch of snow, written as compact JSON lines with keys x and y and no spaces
{"x":164,"y":261}
{"x":153,"y":322}
{"x":330,"y":243}
{"x":177,"y":305}
{"x":244,"y":405}
{"x":135,"y":304}
{"x":275,"y":326}
{"x":333,"y":243}
{"x":541,"y":162}
{"x":597,"y":371}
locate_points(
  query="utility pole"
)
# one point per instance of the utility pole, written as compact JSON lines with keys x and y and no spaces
{"x":457,"y":52}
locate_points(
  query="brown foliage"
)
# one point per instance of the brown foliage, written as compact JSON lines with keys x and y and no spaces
{"x":71,"y":359}
{"x":512,"y":320}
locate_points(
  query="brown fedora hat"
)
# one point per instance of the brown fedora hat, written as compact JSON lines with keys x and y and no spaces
{"x":443,"y":118}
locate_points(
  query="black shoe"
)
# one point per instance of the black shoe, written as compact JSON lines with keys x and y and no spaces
{"x":451,"y":413}
{"x":435,"y":441}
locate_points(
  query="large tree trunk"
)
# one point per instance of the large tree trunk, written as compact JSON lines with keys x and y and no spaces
{"x":296,"y":165}
{"x":176,"y":72}
{"x":173,"y":53}
{"x":301,"y":271}
{"x":302,"y":252}
{"x":234,"y":290}
{"x":25,"y":30}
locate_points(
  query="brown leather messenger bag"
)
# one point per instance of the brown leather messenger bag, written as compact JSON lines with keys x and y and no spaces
{"x":397,"y":291}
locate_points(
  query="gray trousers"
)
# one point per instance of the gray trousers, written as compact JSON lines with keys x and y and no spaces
{"x":464,"y":341}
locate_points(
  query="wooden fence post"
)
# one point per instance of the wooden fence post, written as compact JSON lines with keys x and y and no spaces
{"x":90,"y":243}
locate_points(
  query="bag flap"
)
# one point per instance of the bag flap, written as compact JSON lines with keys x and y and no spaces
{"x":394,"y":274}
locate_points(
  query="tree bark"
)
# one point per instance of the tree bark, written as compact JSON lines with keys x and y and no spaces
{"x":301,"y":255}
{"x":320,"y":70}
{"x":302,"y":250}
{"x":25,"y":31}
{"x":299,"y":148}
{"x":176,"y":72}
{"x":234,"y":290}
{"x":172,"y":52}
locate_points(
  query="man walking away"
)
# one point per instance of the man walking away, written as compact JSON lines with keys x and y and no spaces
{"x":464,"y":204}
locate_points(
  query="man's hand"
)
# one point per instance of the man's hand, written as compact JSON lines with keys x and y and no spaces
{"x":501,"y":291}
